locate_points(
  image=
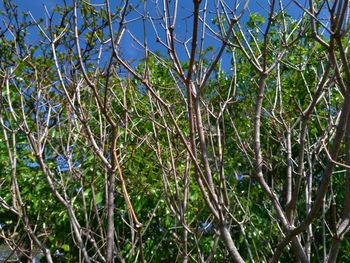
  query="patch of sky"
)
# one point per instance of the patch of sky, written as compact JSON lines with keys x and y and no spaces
{"x":206,"y":227}
{"x":332,"y":110}
{"x":239,"y":98}
{"x":154,"y":25}
{"x":239,"y":177}
{"x":64,"y":163}
{"x":28,"y":158}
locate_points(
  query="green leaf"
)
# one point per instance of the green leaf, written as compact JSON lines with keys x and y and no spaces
{"x":65,"y":247}
{"x":99,"y":197}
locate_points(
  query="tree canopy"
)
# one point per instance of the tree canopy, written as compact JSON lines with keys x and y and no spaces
{"x":165,"y":131}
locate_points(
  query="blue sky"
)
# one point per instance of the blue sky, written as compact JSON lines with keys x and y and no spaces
{"x":183,"y":27}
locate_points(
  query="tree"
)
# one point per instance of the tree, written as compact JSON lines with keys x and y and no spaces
{"x":231,"y":149}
